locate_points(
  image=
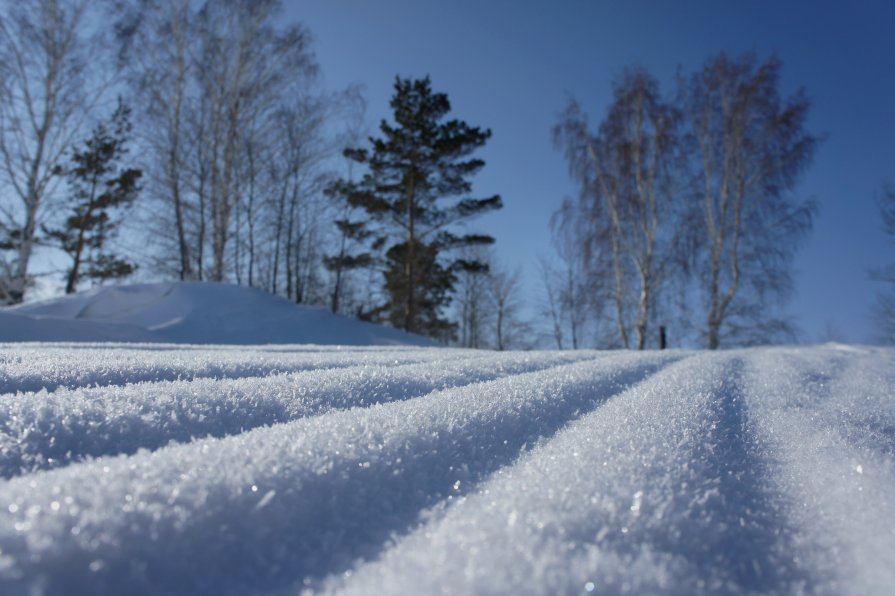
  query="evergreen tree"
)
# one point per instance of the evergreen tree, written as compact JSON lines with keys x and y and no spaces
{"x":98,"y":184}
{"x":350,"y":233}
{"x":416,"y":190}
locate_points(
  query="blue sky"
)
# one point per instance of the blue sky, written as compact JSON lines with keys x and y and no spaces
{"x":510,"y":65}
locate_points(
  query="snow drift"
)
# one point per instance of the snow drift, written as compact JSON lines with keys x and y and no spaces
{"x":182,"y":312}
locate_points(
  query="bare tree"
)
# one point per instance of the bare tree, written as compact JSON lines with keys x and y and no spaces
{"x":158,"y":63}
{"x":471,"y":298}
{"x":831,"y":333}
{"x":350,"y":260}
{"x":248,"y":65}
{"x":46,"y":96}
{"x":750,"y":147}
{"x":884,"y":309}
{"x":625,"y":173}
{"x":504,"y":289}
{"x":577,"y":279}
{"x":301,"y":167}
{"x":231,"y":118}
{"x":551,"y":306}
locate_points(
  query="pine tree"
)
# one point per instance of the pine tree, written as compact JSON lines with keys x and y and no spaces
{"x":98,"y":184}
{"x":415,"y":191}
{"x":350,"y":233}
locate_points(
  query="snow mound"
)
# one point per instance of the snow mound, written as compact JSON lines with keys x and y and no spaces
{"x":189,"y":312}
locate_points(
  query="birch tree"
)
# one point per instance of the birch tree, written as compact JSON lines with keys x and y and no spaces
{"x":212,"y":79}
{"x":46,"y":96}
{"x":625,"y":174}
{"x":158,"y":62}
{"x":750,"y":147}
{"x":247,"y":65}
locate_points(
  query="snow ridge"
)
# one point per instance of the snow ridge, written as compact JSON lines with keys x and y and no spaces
{"x":405,"y":471}
{"x":108,"y":421}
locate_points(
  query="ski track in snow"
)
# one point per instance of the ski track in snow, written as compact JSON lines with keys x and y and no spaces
{"x":29,"y":369}
{"x":50,"y":430}
{"x":233,"y":470}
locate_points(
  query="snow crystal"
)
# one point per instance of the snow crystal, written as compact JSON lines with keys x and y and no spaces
{"x":155,"y":469}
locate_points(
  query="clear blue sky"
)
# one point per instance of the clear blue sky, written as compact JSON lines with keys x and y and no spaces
{"x":510,"y":65}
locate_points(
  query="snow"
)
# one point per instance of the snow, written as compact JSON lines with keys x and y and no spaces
{"x":397,"y":470}
{"x":149,"y":415}
{"x":172,"y":468}
{"x":188,"y":312}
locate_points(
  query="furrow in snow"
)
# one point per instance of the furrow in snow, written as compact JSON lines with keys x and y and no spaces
{"x":305,"y":499}
{"x":830,"y":422}
{"x":28,"y":369}
{"x":51,"y":430}
{"x":661,"y":490}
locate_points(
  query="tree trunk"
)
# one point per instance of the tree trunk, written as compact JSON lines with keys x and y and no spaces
{"x":409,"y":322}
{"x":174,"y":152}
{"x":72,"y":281}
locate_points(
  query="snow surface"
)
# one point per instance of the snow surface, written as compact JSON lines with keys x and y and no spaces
{"x":188,"y":312}
{"x":150,"y":469}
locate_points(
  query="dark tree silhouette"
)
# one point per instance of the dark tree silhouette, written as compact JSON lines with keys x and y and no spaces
{"x":98,"y":185}
{"x":415,"y":192}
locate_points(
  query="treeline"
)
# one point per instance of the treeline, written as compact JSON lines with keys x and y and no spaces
{"x":686,"y":218}
{"x":225,"y":159}
{"x":228,"y":124}
{"x":238,"y":140}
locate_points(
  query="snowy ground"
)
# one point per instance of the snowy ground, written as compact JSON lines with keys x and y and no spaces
{"x":189,"y":313}
{"x":235,"y":470}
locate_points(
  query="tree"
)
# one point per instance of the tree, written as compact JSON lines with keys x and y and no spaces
{"x":551,"y":306}
{"x":351,"y":255}
{"x":301,"y":168}
{"x":750,"y":146}
{"x":420,"y":163}
{"x":503,"y":289}
{"x":488,"y":304}
{"x":884,"y":309}
{"x":98,"y":184}
{"x":223,"y":90}
{"x":573,"y":283}
{"x":426,"y":291}
{"x":626,"y":200}
{"x":157,"y":61}
{"x":351,"y":233}
{"x":471,"y":303}
{"x":45,"y":95}
{"x":247,"y":64}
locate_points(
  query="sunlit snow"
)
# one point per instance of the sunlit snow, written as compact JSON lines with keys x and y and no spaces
{"x":165,"y":469}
